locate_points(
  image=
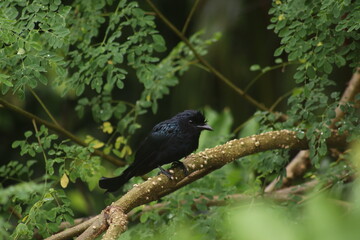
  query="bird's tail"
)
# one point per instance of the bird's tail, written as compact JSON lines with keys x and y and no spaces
{"x":114,"y":183}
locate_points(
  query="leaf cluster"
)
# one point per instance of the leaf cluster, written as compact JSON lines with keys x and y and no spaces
{"x":320,"y":35}
{"x":37,"y":201}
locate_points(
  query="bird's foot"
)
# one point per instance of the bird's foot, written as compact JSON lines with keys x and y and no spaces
{"x":166,"y":173}
{"x":180,"y":165}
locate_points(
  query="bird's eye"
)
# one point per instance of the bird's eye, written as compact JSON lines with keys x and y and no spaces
{"x":190,"y":121}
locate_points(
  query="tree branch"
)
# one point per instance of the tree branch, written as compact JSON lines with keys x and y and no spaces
{"x":60,"y":130}
{"x":74,"y":231}
{"x":117,"y":223}
{"x":348,"y":96}
{"x":285,"y":194}
{"x":201,"y":164}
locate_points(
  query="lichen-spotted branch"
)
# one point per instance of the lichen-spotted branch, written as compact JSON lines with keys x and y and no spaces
{"x":201,"y":164}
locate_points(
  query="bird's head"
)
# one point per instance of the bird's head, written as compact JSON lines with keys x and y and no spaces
{"x":193,"y":119}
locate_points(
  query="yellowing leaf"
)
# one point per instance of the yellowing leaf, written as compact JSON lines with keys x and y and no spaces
{"x":25,"y":218}
{"x":128,"y":150}
{"x":125,"y":151}
{"x":64,"y":181}
{"x":107,"y":127}
{"x":107,"y":149}
{"x":119,"y":141}
{"x":97,"y":144}
{"x":88,"y":139}
{"x":148,"y":98}
{"x":21,"y":51}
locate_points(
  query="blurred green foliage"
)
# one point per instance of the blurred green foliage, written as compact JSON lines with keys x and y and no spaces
{"x":321,"y":215}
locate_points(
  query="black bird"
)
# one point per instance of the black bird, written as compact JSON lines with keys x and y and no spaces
{"x":168,"y":142}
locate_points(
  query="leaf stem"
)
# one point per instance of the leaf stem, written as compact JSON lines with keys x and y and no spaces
{"x":43,"y":106}
{"x":283,"y":65}
{"x":280,"y":99}
{"x":242,"y":125}
{"x":196,"y":3}
{"x":42,"y":150}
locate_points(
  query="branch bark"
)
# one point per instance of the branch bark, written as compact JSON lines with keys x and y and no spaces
{"x":74,"y":231}
{"x":201,"y":164}
{"x":117,"y":223}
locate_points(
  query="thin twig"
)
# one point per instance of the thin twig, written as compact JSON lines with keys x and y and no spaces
{"x":42,"y":150}
{"x":196,"y":3}
{"x":237,"y":129}
{"x":281,"y":65}
{"x":280,"y":99}
{"x":44,"y":106}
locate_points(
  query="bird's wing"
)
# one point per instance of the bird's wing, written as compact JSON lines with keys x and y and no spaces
{"x":149,"y":150}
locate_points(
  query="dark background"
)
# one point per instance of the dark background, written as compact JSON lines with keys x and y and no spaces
{"x":245,"y":41}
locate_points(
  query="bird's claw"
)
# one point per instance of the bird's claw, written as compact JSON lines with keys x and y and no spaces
{"x":166,"y":173}
{"x":180,"y":165}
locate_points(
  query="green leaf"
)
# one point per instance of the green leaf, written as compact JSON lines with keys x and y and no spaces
{"x":23,"y":231}
{"x":299,"y":75}
{"x":255,"y":67}
{"x":284,"y":32}
{"x":17,"y":144}
{"x":295,"y":55}
{"x":144,"y":217}
{"x":278,"y":51}
{"x":4,"y":80}
{"x":80,"y":89}
{"x":106,"y":112}
{"x":331,"y":114}
{"x":327,"y":67}
{"x":310,"y":72}
{"x":120,"y":84}
{"x":334,"y":95}
{"x":10,"y":13}
{"x":300,"y":135}
{"x":322,"y":149}
{"x":28,"y":134}
{"x":43,"y":79}
{"x":278,"y":60}
{"x":159,"y":43}
{"x":340,"y":61}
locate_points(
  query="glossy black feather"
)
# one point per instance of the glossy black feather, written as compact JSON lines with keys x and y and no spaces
{"x":168,"y":142}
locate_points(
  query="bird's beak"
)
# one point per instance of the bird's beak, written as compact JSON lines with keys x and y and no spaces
{"x":204,"y":127}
